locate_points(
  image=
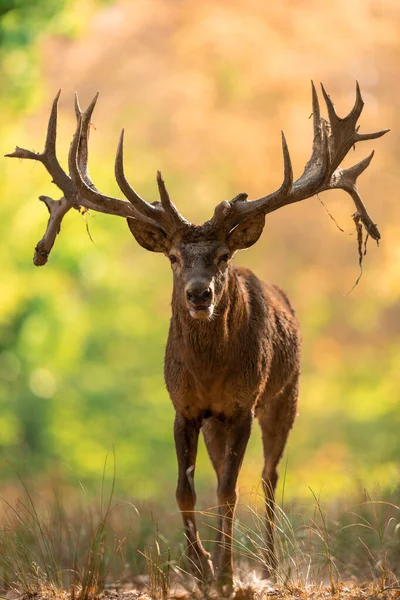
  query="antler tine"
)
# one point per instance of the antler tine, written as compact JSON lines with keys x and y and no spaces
{"x":82,"y":135}
{"x":355,"y":171}
{"x":320,"y":141}
{"x":316,"y":113}
{"x":168,"y":216}
{"x":137,"y":202}
{"x":57,"y":211}
{"x":50,"y":143}
{"x":316,"y":170}
{"x":89,"y":195}
{"x":78,"y":110}
{"x":50,"y":161}
{"x":229,"y":214}
{"x":287,"y":168}
{"x":242,"y":197}
{"x":168,"y":205}
{"x":48,"y":157}
{"x":287,"y":184}
{"x":334,"y":119}
{"x":361,"y":137}
{"x":77,"y":159}
{"x":358,"y":105}
{"x":346,"y":179}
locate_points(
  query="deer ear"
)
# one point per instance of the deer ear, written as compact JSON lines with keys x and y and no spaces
{"x":149,"y":236}
{"x":246,"y":233}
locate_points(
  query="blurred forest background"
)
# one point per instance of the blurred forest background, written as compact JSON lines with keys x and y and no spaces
{"x":203,"y":89}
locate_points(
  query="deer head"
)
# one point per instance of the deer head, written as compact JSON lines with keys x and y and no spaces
{"x":200,"y":255}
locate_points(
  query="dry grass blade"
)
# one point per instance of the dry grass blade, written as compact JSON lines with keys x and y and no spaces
{"x":42,"y":548}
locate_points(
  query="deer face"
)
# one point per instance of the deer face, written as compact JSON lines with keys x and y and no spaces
{"x":200,"y":259}
{"x":200,"y":273}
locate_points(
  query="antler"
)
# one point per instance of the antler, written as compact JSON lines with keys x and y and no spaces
{"x":332,"y":142}
{"x":79,"y":190}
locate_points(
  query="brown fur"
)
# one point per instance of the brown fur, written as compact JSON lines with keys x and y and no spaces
{"x":221,"y":371}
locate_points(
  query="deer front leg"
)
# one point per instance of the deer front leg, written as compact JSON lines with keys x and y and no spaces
{"x":186,"y":433}
{"x":237,"y":436}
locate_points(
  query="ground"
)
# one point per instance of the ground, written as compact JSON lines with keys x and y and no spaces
{"x":345,"y":591}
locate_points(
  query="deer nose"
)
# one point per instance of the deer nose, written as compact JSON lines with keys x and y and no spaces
{"x":199,"y":294}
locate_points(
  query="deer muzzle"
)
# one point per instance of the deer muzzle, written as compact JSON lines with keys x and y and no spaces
{"x":200,"y":298}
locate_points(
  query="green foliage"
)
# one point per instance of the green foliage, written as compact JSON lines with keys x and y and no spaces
{"x":22,"y":24}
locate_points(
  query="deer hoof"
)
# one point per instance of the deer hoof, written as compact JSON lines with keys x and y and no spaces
{"x":225,"y":583}
{"x":202,"y":569}
{"x":268,"y":573}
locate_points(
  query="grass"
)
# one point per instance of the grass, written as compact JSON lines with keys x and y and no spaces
{"x":47,"y":549}
{"x":158,"y":568}
{"x":330,"y":545}
{"x":42,"y":547}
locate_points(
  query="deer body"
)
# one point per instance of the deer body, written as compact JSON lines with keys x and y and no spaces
{"x":233,"y":345}
{"x":220,"y":373}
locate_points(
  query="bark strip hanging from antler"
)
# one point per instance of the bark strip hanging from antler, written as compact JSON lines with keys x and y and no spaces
{"x":332,"y":141}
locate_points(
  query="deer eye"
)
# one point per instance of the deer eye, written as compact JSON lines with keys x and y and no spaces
{"x":172,"y":259}
{"x":224,"y":258}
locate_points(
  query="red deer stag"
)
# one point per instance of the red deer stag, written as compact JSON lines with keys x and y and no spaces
{"x":233,"y":346}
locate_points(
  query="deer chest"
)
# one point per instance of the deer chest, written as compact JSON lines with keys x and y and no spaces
{"x":218,"y":391}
